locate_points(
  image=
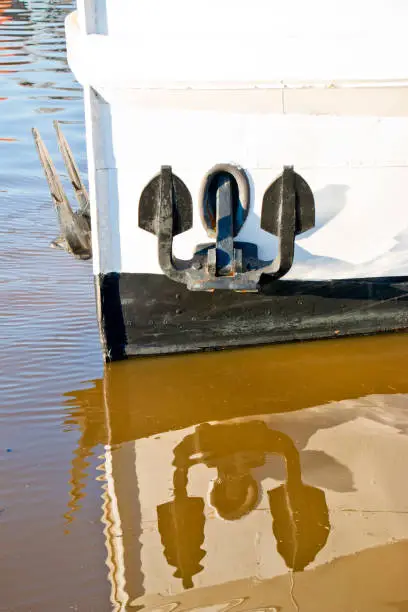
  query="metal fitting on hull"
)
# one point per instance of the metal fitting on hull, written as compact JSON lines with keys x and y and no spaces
{"x":165,"y":210}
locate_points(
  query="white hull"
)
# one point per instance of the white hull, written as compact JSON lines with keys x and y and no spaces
{"x":247,"y":169}
{"x":328,"y":96}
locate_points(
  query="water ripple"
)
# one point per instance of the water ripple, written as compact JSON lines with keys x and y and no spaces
{"x":47,"y":312}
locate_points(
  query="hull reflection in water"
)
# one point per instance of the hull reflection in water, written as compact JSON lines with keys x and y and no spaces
{"x":263,"y":480}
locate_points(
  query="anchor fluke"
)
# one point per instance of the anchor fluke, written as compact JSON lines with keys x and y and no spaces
{"x":288,"y":186}
{"x":149,"y":208}
{"x":75,"y":226}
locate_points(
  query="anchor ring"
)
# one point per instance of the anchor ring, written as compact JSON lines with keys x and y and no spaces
{"x":243,"y":197}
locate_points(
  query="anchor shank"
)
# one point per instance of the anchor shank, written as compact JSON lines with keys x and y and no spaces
{"x":225,"y":240}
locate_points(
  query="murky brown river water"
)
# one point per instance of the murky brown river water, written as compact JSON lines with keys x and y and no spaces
{"x":266,"y":479}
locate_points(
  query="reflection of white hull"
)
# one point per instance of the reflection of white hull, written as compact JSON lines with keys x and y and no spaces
{"x":349,"y":451}
{"x":352,"y":453}
{"x":283,"y":84}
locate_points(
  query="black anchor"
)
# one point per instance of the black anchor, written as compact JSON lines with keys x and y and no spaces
{"x":165,"y":209}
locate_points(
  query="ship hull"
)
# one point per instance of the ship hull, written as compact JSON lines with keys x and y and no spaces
{"x":311,"y":115}
{"x":148,"y":314}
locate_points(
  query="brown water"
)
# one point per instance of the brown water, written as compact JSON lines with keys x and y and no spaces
{"x":265,"y":479}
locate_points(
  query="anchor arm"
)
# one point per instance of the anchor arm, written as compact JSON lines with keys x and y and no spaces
{"x":165,"y":209}
{"x":285,"y":226}
{"x":80,"y":191}
{"x":173,"y":268}
{"x":75,"y":227}
{"x":288,"y":210}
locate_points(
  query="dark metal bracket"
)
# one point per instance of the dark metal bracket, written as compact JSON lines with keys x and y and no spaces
{"x":165,"y":209}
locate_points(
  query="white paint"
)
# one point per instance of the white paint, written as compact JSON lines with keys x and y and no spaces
{"x":251,"y":108}
{"x":157,"y":43}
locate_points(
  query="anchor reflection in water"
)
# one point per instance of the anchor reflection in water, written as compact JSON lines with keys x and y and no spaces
{"x":300,"y":517}
{"x":229,"y":505}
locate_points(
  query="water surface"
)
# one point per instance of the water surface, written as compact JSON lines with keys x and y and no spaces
{"x":48,"y":334}
{"x":265,"y":479}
